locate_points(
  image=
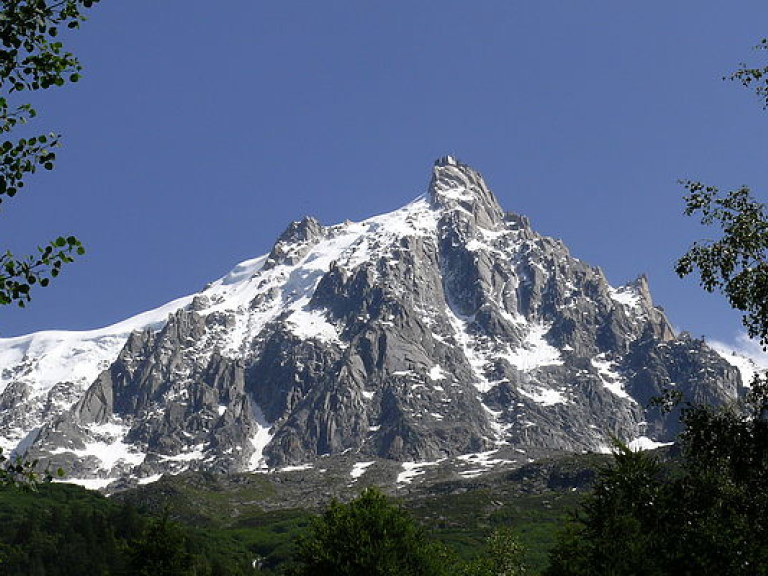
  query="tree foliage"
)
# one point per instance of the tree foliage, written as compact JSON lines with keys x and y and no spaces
{"x":161,"y":550}
{"x":371,"y":536}
{"x":616,"y":527}
{"x":754,"y":77}
{"x":503,"y":556}
{"x":32,"y":58}
{"x":735,"y":263}
{"x":65,"y":530}
{"x":705,"y":514}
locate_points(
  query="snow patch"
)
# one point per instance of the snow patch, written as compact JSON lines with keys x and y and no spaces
{"x":308,"y":324}
{"x":500,"y":428}
{"x":458,"y":193}
{"x":259,"y":439}
{"x":483,"y":459}
{"x":196,"y":453}
{"x":89,"y":483}
{"x":359,"y":468}
{"x":296,"y":468}
{"x":402,"y":373}
{"x":626,"y":296}
{"x":481,"y":463}
{"x":243,"y":271}
{"x":468,"y":344}
{"x":106,"y":445}
{"x":544,"y":396}
{"x":43,"y":359}
{"x":411,"y":470}
{"x":149,"y":479}
{"x":437,"y":373}
{"x":612,"y":380}
{"x":644,"y":443}
{"x":535,"y":352}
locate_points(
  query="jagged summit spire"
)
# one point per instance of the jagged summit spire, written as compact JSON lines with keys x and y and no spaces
{"x":457,"y":185}
{"x":448,"y":160}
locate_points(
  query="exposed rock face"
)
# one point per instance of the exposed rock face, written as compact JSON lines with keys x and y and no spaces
{"x":444,"y":328}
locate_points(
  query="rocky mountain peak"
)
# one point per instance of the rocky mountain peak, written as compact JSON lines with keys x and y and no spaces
{"x":444,"y":331}
{"x":640,"y":285}
{"x":457,"y":186}
{"x":295,"y":241}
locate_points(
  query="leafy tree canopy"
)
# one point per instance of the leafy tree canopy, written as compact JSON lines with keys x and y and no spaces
{"x":735,"y":263}
{"x":503,"y":556}
{"x":32,"y":58}
{"x":369,"y":535}
{"x":754,"y":77}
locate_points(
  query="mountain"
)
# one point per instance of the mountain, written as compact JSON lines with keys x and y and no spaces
{"x":447,"y":330}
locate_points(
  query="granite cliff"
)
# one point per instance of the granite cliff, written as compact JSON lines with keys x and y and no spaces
{"x":447,"y":329}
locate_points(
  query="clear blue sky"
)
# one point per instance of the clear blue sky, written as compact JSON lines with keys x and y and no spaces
{"x":201,"y":129}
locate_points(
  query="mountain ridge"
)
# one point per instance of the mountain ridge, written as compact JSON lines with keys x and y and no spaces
{"x":444,"y":328}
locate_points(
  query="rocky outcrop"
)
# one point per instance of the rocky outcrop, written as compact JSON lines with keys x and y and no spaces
{"x":295,"y":242}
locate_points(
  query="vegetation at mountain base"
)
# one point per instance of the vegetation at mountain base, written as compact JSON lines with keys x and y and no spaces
{"x":706,"y":515}
{"x":460,"y":513}
{"x":373,"y":535}
{"x":223,"y":524}
{"x":32,"y":58}
{"x":67,"y":530}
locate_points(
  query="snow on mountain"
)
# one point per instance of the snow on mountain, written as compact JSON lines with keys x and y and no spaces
{"x":41,"y":360}
{"x":36,"y":363}
{"x":746,"y":355}
{"x":441,"y":329}
{"x":46,"y":358}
